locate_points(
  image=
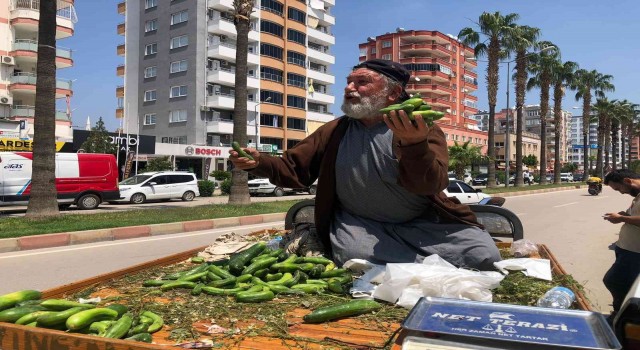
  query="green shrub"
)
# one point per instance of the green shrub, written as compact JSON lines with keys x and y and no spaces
{"x":206,"y":188}
{"x":225,"y":186}
{"x":221,"y":175}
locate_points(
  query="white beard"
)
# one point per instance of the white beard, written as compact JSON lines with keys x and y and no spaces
{"x":368,"y":107}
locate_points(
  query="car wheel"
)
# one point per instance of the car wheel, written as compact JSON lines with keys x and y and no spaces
{"x":188,"y":196}
{"x":312,"y":190}
{"x":278,"y":192}
{"x":138,"y":198}
{"x":63,"y":206}
{"x":88,"y":202}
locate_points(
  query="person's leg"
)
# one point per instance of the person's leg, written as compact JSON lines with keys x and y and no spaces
{"x":621,"y":276}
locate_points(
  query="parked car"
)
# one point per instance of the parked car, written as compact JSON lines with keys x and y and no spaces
{"x":566,"y":177}
{"x":526,"y":177}
{"x":466,"y":178}
{"x":162,"y":185}
{"x":263,"y":186}
{"x":465,"y":193}
{"x":481,"y":180}
{"x":83,"y":179}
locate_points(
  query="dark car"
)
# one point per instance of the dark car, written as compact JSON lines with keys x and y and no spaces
{"x":481,"y":180}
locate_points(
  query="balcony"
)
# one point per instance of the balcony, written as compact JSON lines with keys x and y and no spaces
{"x":227,"y":52}
{"x":322,"y":37}
{"x":438,"y":102}
{"x":26,"y":83}
{"x":224,"y":26}
{"x":227,"y":6}
{"x":120,"y":70}
{"x":25,"y":15}
{"x":225,"y":101}
{"x":438,"y":89}
{"x":320,"y":116}
{"x":319,"y":54}
{"x":221,"y":126}
{"x":426,"y":49}
{"x":27,"y":51}
{"x":30,"y":111}
{"x":434,"y":75}
{"x":120,"y":50}
{"x":325,"y":18}
{"x":320,"y":76}
{"x":121,"y":28}
{"x":119,"y":113}
{"x":120,"y":91}
{"x":320,"y":97}
{"x":122,"y":8}
{"x":226,"y":76}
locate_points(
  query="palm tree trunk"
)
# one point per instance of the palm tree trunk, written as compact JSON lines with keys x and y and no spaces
{"x":492,"y":92}
{"x":43,"y":199}
{"x":521,"y":85}
{"x":544,"y":107}
{"x":600,"y":153}
{"x":615,"y":127}
{"x":558,"y":129}
{"x":586,"y":111}
{"x":239,"y":192}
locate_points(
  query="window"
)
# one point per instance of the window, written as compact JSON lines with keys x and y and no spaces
{"x":296,"y":123}
{"x":178,"y":66}
{"x":182,"y":140}
{"x":296,"y":80}
{"x":297,"y":15}
{"x":178,"y":91}
{"x":177,"y":116}
{"x":271,"y":28}
{"x":276,"y":97}
{"x":179,"y":17}
{"x":150,"y":25}
{"x":272,"y":120}
{"x":151,"y":49}
{"x":386,"y":44}
{"x":296,"y":101}
{"x":149,"y":95}
{"x":386,"y":56}
{"x":271,"y":51}
{"x":373,"y":50}
{"x":150,"y":119}
{"x":272,"y":6}
{"x":150,"y":72}
{"x":296,"y":36}
{"x":268,"y":73}
{"x":179,"y":41}
{"x":296,"y":58}
{"x":291,"y":143}
{"x":178,"y":179}
{"x":150,"y":3}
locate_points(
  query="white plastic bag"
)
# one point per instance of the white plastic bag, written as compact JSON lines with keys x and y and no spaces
{"x":524,"y":248}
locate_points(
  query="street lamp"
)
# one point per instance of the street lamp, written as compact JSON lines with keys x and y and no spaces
{"x":257,"y":122}
{"x":507,"y":157}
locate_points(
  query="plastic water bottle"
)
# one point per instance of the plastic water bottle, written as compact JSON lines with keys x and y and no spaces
{"x":274,"y":243}
{"x":557,"y":298}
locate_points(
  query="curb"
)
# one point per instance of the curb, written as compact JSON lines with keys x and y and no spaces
{"x":117,"y":233}
{"x":111,"y":234}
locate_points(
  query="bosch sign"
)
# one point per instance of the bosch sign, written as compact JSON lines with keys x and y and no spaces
{"x":200,"y":151}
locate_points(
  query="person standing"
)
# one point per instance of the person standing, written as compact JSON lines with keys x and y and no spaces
{"x":380,"y":180}
{"x":626,"y":267}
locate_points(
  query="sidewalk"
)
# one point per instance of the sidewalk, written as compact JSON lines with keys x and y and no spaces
{"x":112,"y":234}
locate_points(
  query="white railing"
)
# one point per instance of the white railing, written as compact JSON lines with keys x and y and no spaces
{"x":65,"y":9}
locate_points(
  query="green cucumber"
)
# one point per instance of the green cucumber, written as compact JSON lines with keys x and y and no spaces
{"x":120,"y":328}
{"x":352,"y":308}
{"x":63,"y":304}
{"x":309,"y":288}
{"x":15,"y":313}
{"x":259,"y":265}
{"x":239,"y":260}
{"x":222,"y":273}
{"x":100,"y":327}
{"x":222,"y":283}
{"x":197,"y":289}
{"x":143,"y":337}
{"x":241,"y":152}
{"x":197,"y":260}
{"x":221,"y":291}
{"x":119,"y":308}
{"x":315,"y":259}
{"x":85,"y":318}
{"x":155,"y":283}
{"x":11,"y":299}
{"x":254,"y":297}
{"x":32,"y":317}
{"x":158,"y":322}
{"x":58,"y":318}
{"x":178,"y":284}
{"x":334,"y":273}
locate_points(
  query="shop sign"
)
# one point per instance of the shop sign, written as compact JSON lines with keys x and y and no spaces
{"x":202,"y":151}
{"x":15,"y":144}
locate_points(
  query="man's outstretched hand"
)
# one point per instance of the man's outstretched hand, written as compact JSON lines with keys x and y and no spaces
{"x":407,"y":131}
{"x":245,"y":163}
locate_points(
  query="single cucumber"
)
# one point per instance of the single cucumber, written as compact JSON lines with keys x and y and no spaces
{"x":241,"y":152}
{"x":262,"y":273}
{"x":318,"y":282}
{"x":155,"y":283}
{"x":244,"y":278}
{"x":222,"y":283}
{"x":63,"y":304}
{"x":100,"y":327}
{"x":143,"y":337}
{"x":220,"y":272}
{"x":120,"y":328}
{"x":197,"y":260}
{"x":280,"y":289}
{"x":238,"y":261}
{"x":119,"y":308}
{"x":212,"y":277}
{"x":197,"y":289}
{"x":285,"y":277}
{"x":11,"y":299}
{"x":178,"y":284}
{"x":335,"y":285}
{"x":137,"y":329}
{"x":315,"y":259}
{"x":158,"y":322}
{"x":259,"y":265}
{"x":15,"y":313}
{"x":334,"y":273}
{"x":352,"y":308}
{"x":221,"y":291}
{"x":85,"y":318}
{"x":295,"y":280}
{"x":309,"y":288}
{"x":193,"y":277}
{"x":254,"y":297}
{"x":58,"y":318}
{"x":32,"y":317}
{"x":273,"y":277}
{"x":390,"y":108}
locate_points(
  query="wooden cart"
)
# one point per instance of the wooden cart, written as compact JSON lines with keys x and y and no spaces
{"x":347,"y":333}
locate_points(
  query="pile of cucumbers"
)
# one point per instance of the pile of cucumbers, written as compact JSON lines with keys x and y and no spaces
{"x":415,"y":107}
{"x":112,"y":321}
{"x":258,"y":274}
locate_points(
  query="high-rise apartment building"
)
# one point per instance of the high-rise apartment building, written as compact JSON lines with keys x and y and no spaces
{"x":446,"y":73}
{"x":179,"y":71}
{"x":18,"y":61}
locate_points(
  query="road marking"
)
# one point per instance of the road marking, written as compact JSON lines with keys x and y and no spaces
{"x":521,"y":214}
{"x":564,"y":205}
{"x":146,"y":239}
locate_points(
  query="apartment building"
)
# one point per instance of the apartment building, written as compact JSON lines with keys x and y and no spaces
{"x":446,"y":76}
{"x":18,"y":61}
{"x":179,"y":74}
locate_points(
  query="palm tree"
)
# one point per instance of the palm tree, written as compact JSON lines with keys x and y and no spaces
{"x":541,"y":68}
{"x":496,"y":28}
{"x":604,"y":110}
{"x":561,"y":78}
{"x":43,"y":202}
{"x":239,"y":193}
{"x":627,"y":122}
{"x":584,"y":83}
{"x":524,"y":38}
{"x":462,"y":156}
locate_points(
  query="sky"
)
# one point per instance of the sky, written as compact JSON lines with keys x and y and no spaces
{"x":600,"y":35}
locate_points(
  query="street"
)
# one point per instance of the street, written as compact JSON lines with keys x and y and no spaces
{"x":569,"y":222}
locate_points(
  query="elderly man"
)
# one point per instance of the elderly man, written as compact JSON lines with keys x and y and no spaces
{"x":380,"y":180}
{"x":626,"y":267}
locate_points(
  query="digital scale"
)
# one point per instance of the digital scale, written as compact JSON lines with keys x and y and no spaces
{"x":454,"y":324}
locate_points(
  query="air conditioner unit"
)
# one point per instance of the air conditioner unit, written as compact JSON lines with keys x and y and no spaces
{"x":204,"y":108}
{"x":8,"y":60}
{"x":223,"y":37}
{"x":6,"y":100}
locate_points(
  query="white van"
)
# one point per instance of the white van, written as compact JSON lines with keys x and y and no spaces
{"x":162,"y":185}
